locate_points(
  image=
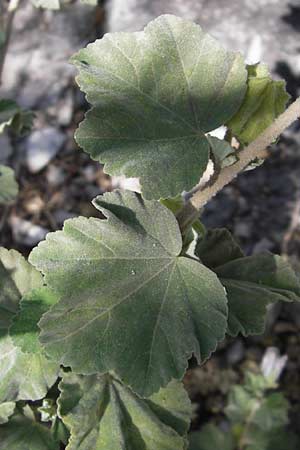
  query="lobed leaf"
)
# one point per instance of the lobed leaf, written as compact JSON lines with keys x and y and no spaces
{"x":155,"y":94}
{"x":102,"y":413}
{"x":251,"y":282}
{"x":129,"y":301}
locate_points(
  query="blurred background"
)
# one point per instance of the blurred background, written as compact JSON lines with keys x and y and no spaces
{"x":58,"y":181}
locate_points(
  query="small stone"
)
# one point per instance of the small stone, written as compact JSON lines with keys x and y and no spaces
{"x":41,"y":146}
{"x":263,"y":245}
{"x":235,"y":352}
{"x":61,"y":215}
{"x":27,"y":233}
{"x":5,"y":148}
{"x":55,"y":175}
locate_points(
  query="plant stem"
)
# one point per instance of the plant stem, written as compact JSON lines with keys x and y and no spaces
{"x":256,"y":149}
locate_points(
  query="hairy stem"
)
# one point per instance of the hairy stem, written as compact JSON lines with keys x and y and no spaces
{"x":257,"y":149}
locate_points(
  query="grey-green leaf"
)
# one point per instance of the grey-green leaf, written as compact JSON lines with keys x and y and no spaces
{"x":22,"y":376}
{"x":8,"y":186}
{"x":155,"y":94}
{"x":102,"y":413}
{"x":251,"y":282}
{"x":24,"y":330}
{"x":22,"y":433}
{"x":128,"y":301}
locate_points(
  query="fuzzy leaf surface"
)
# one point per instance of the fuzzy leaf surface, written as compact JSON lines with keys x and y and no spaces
{"x":22,"y":376}
{"x":102,"y":413}
{"x":251,"y":282}
{"x":22,"y":433}
{"x":155,"y":94}
{"x":8,"y":185}
{"x":128,"y":301}
{"x":24,"y":330}
{"x":264,"y":101}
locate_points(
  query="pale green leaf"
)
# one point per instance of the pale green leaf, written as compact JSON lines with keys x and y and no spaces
{"x":128,"y":301}
{"x":264,"y":101}
{"x":102,"y":413}
{"x":24,"y":330}
{"x":8,"y":185}
{"x":11,"y":115}
{"x":211,"y":438}
{"x":251,"y":282}
{"x":155,"y":94}
{"x":21,"y":433}
{"x":22,"y":376}
{"x":6,"y":410}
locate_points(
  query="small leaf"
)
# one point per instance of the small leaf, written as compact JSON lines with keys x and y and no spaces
{"x":155,"y":94}
{"x":251,"y":282}
{"x":102,"y":413}
{"x":264,"y":101}
{"x":21,"y":433}
{"x":6,"y":410}
{"x":211,"y":438}
{"x":11,"y":115}
{"x":129,"y":301}
{"x":223,"y":154}
{"x":24,"y":330}
{"x":8,"y":186}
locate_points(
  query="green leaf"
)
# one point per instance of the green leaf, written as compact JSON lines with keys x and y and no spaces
{"x":8,"y":185}
{"x":264,"y":101}
{"x":21,"y":433}
{"x":22,"y":376}
{"x":6,"y":410}
{"x":211,"y":438}
{"x":24,"y":330}
{"x":17,"y":277}
{"x":47,"y":4}
{"x":155,"y":94}
{"x":223,"y":154}
{"x":251,"y":282}
{"x":102,"y":413}
{"x":217,"y":247}
{"x":129,"y":301}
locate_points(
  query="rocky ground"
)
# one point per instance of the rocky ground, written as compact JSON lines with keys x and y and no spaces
{"x":57,"y":181}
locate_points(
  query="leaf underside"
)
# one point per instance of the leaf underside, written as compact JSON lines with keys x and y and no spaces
{"x":155,"y":94}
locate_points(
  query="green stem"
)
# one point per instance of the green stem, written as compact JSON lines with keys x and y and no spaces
{"x":257,"y":149}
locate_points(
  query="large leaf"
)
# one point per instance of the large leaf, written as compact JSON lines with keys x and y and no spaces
{"x":128,"y":301}
{"x":102,"y":413}
{"x":22,"y":376}
{"x":251,"y":282}
{"x":8,"y":185}
{"x":155,"y":94}
{"x":22,"y":433}
{"x":264,"y":101}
